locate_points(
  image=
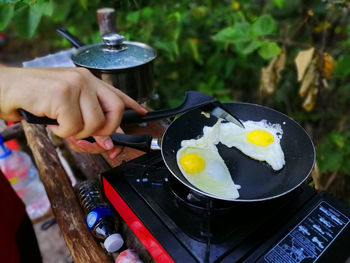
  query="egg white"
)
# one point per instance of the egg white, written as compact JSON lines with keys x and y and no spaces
{"x":215,"y":177}
{"x":233,"y":136}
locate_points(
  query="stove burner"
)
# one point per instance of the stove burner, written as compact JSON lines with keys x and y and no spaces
{"x":197,"y":202}
{"x":154,"y":174}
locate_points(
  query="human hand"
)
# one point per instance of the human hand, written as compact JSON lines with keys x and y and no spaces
{"x":87,"y":147}
{"x":82,"y":104}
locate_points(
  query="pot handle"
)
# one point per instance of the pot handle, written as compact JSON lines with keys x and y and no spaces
{"x":138,"y":142}
{"x":192,"y":100}
{"x":72,"y":39}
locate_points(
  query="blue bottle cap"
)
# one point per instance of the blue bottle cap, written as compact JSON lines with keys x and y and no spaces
{"x":4,"y":150}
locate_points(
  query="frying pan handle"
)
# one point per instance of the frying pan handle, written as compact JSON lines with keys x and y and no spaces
{"x":139,"y":142}
{"x":193,"y":99}
{"x":30,"y":118}
{"x":72,"y":39}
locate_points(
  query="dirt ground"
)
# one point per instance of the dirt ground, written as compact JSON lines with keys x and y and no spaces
{"x":51,"y":243}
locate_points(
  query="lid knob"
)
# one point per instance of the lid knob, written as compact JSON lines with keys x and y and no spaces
{"x":113,"y":39}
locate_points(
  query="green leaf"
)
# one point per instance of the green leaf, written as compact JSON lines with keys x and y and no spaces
{"x":193,"y":44}
{"x":333,"y":152}
{"x":338,"y":139}
{"x":27,"y":18}
{"x":84,"y":4}
{"x":6,"y":14}
{"x":62,"y":9}
{"x":229,"y":66}
{"x":342,"y":68}
{"x":264,"y":25}
{"x":279,"y":3}
{"x":345,"y":88}
{"x":246,"y":48}
{"x":269,"y":50}
{"x":133,"y":17}
{"x":174,"y":22}
{"x":200,"y":12}
{"x":170,"y":47}
{"x":224,"y":35}
{"x":47,"y":7}
{"x":238,"y":33}
{"x":147,"y":12}
{"x":329,"y":158}
{"x":345,"y":168}
{"x":12,"y":2}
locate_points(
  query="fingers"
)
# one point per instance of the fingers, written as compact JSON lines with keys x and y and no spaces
{"x":113,"y":108}
{"x":89,"y":108}
{"x":129,"y":102}
{"x":70,"y":122}
{"x":88,"y":147}
{"x":103,"y":144}
{"x":132,"y":104}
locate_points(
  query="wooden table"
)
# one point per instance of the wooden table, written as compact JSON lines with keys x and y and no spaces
{"x":64,"y":203}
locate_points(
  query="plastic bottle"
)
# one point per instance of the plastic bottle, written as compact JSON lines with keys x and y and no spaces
{"x":19,"y":169}
{"x":100,"y":217}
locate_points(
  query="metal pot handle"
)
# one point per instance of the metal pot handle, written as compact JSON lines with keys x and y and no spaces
{"x":72,"y":39}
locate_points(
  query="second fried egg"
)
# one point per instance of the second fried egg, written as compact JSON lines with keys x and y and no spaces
{"x":259,"y":140}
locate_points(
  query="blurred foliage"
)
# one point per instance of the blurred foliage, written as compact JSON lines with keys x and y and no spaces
{"x":231,"y":49}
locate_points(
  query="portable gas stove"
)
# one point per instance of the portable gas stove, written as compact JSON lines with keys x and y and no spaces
{"x":177,"y":225}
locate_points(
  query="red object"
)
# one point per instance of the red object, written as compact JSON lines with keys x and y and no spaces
{"x":12,"y":213}
{"x":12,"y":144}
{"x":147,"y":239}
{"x":128,"y":256}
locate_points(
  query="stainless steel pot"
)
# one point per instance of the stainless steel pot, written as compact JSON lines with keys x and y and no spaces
{"x":126,"y":65}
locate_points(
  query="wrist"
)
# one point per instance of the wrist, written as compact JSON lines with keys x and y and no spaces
{"x":8,"y":77}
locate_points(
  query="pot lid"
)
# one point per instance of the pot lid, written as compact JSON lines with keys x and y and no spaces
{"x":113,"y":53}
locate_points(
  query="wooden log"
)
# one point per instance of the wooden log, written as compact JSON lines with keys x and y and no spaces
{"x":106,"y":20}
{"x":90,"y":165}
{"x":12,"y":132}
{"x":64,"y":203}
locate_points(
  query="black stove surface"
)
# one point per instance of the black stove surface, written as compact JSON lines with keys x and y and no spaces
{"x":196,"y":229}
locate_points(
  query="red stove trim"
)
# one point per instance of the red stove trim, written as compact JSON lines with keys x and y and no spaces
{"x":147,"y":239}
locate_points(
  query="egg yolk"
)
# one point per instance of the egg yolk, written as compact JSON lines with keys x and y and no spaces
{"x":260,"y":137}
{"x":192,"y":163}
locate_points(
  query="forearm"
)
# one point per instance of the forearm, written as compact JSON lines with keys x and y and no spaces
{"x":8,"y":105}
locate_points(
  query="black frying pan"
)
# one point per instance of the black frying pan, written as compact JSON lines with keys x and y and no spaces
{"x":258,"y":180}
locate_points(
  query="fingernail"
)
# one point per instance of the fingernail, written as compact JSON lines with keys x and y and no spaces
{"x":112,"y":155}
{"x":144,"y":110}
{"x":108,"y":144}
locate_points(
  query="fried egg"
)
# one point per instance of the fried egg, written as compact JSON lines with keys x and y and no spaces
{"x":259,"y":140}
{"x":202,"y":165}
